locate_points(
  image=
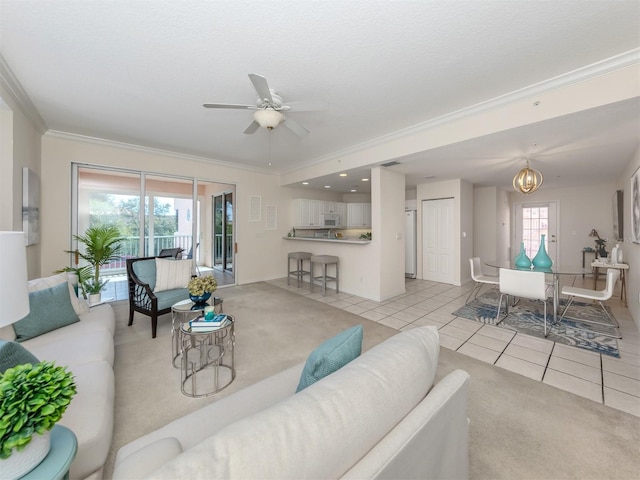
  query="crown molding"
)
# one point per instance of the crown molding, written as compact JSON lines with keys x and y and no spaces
{"x":154,"y":151}
{"x":603,"y":67}
{"x":11,"y":84}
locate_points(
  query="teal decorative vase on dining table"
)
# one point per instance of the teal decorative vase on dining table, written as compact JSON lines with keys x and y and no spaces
{"x":521,"y":260}
{"x":542,"y":259}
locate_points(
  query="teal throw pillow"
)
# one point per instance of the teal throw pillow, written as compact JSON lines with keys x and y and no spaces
{"x":49,"y":309}
{"x":12,"y":354}
{"x":331,"y":356}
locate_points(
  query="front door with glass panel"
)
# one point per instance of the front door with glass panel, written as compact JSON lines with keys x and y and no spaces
{"x":532,"y":220}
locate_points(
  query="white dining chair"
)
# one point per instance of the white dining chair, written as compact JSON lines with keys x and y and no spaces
{"x":479,"y":278}
{"x":523,"y":284}
{"x":597,"y":295}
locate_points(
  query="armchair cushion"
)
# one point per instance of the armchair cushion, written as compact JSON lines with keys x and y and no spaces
{"x":49,"y":309}
{"x":172,"y":274}
{"x":145,"y":270}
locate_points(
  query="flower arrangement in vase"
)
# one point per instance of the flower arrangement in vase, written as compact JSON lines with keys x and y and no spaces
{"x":201,"y":288}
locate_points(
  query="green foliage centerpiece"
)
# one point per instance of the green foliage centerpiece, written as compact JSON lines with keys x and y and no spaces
{"x":33,"y":398}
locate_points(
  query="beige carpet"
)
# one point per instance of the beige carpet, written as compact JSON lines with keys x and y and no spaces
{"x":519,"y":428}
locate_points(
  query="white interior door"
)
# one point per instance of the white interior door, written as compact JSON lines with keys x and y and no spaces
{"x":438,"y":242}
{"x":532,"y":220}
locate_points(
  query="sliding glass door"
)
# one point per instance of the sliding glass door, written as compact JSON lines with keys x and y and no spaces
{"x":223,"y":231}
{"x":175,"y":213}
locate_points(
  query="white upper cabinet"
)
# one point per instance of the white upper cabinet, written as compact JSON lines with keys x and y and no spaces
{"x":306,"y":212}
{"x":358,"y":215}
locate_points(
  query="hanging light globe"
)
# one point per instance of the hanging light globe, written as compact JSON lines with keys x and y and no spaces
{"x":527,"y":180}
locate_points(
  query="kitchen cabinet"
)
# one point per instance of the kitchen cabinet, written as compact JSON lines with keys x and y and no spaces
{"x":306,"y":212}
{"x":333,"y":207}
{"x":359,"y":215}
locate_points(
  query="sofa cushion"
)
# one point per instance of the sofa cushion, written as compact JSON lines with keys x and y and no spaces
{"x":170,"y":297}
{"x":12,"y":354}
{"x":145,"y":270}
{"x":324,"y":430}
{"x":77,"y":348}
{"x":101,"y":318}
{"x":80,"y":306}
{"x":148,"y":458}
{"x":90,"y":417}
{"x":331,"y":355}
{"x":49,"y":309}
{"x":172,"y":274}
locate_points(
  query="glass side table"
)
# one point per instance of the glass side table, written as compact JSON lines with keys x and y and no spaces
{"x":182,"y":312}
{"x":207,"y":360}
{"x":55,"y":465}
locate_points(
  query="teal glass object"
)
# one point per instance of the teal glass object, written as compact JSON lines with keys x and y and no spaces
{"x":521,"y":260}
{"x":542,"y":260}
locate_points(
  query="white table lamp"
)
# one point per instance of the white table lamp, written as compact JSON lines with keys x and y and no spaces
{"x":14,"y":290}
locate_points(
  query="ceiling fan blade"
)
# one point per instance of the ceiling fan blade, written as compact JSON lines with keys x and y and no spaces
{"x":230,"y":105}
{"x":252,"y":128}
{"x":261,"y":86}
{"x":295,"y":127}
{"x":312,"y":106}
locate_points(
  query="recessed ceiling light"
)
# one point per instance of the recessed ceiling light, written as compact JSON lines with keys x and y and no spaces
{"x":354,"y":190}
{"x":327,"y":186}
{"x":343,"y":174}
{"x":305,"y":183}
{"x":365,"y":179}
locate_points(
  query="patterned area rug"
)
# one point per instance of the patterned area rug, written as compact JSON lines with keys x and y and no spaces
{"x":527,"y":316}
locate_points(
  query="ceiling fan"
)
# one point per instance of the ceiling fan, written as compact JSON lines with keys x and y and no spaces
{"x":268,"y":108}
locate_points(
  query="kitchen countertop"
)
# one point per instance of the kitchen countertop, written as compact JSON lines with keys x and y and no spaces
{"x":332,"y":240}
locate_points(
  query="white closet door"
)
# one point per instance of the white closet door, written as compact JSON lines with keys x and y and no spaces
{"x":438,"y":244}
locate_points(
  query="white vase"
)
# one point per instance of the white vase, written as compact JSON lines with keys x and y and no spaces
{"x":95,"y":298}
{"x":22,"y":462}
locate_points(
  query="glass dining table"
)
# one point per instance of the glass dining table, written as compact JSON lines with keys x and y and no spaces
{"x":555,"y":271}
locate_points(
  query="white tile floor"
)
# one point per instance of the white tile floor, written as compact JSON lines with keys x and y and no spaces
{"x":614,"y":382}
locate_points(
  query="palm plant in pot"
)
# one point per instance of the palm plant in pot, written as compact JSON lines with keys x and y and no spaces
{"x":101,"y":246}
{"x":33,"y":398}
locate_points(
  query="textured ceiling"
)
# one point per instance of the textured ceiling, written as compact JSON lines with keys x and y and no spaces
{"x":139,"y":71}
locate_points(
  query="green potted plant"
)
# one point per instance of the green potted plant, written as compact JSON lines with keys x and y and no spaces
{"x":33,"y":398}
{"x":82,"y":274}
{"x":101,"y":246}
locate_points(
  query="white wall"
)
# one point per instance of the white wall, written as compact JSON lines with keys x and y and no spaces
{"x":491,"y":224}
{"x":485,"y":219}
{"x":462,"y":194}
{"x":20,"y":148}
{"x":388,"y":227}
{"x":580,"y":209}
{"x":261,"y":253}
{"x":631,"y":250}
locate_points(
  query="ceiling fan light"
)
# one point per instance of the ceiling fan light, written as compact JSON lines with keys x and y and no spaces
{"x":527,"y":180}
{"x":268,"y":118}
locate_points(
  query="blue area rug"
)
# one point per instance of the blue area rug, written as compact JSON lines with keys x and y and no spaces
{"x":528,"y":317}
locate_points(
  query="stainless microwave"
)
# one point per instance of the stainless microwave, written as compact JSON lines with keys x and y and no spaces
{"x":330,"y":220}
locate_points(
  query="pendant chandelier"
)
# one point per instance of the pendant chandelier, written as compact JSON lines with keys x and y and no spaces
{"x":527,"y":180}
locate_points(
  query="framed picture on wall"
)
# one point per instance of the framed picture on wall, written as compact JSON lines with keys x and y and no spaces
{"x":635,"y":206}
{"x":30,"y":206}
{"x":618,"y":219}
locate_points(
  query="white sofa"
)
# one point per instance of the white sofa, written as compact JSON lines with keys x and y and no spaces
{"x":380,"y":416}
{"x":87,"y":349}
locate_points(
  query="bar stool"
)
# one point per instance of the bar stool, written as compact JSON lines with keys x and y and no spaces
{"x":325,"y":260}
{"x":299,"y":272}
